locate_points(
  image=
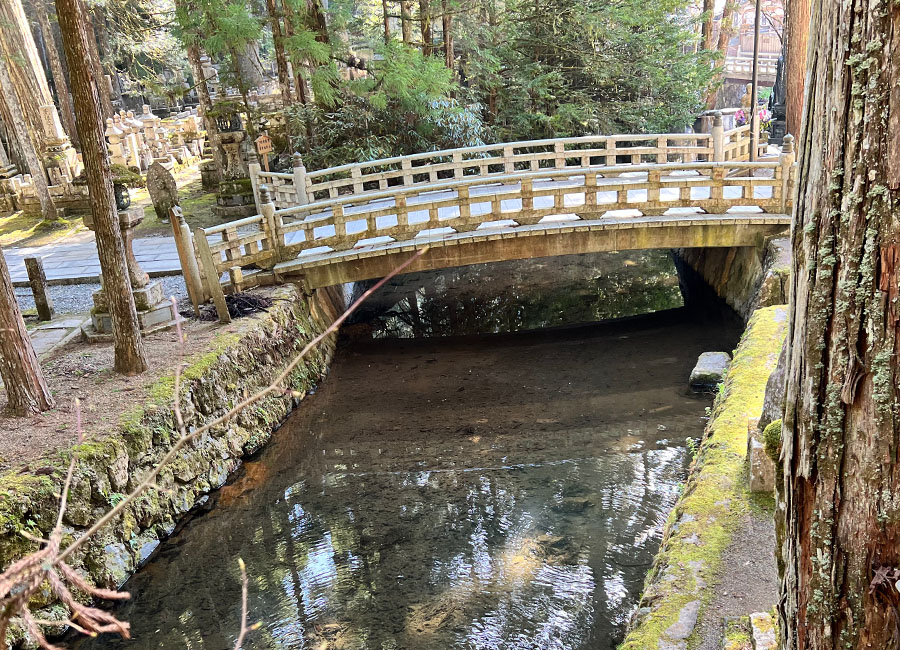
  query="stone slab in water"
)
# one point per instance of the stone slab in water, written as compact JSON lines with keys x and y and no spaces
{"x":709,"y":371}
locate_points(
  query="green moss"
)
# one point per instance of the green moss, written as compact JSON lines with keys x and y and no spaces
{"x":772,"y":440}
{"x":736,"y":635}
{"x":715,"y":499}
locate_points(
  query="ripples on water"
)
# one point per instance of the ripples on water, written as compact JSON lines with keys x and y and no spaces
{"x":483,"y":493}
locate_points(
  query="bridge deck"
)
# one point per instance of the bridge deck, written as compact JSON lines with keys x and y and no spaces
{"x":505,"y":240}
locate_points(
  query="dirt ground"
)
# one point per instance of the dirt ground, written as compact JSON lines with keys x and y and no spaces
{"x":84,"y":371}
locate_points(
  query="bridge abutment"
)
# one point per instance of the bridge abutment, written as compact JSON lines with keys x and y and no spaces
{"x":745,"y":277}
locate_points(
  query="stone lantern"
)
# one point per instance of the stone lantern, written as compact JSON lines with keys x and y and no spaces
{"x":154,"y":311}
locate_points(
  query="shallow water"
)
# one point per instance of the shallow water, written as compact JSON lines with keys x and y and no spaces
{"x":479,"y":492}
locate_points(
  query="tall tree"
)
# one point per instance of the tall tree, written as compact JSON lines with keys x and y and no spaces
{"x":130,"y":357}
{"x":425,"y":27}
{"x":284,"y":78}
{"x":447,"y":30}
{"x":406,"y":21}
{"x":709,"y":21}
{"x":386,"y":18}
{"x":25,"y":69}
{"x":67,"y":111}
{"x":26,"y":144}
{"x":726,"y":31}
{"x":94,"y":53}
{"x":838,"y":503}
{"x":206,"y":105}
{"x":26,"y":391}
{"x":796,"y":29}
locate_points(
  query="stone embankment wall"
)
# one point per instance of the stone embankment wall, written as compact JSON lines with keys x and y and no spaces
{"x":235,"y":365}
{"x":746,"y":277}
{"x":714,"y":501}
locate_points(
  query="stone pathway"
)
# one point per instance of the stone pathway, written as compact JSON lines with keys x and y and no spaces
{"x":75,"y":263}
{"x":46,"y":336}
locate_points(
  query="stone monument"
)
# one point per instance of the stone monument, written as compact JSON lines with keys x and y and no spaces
{"x":154,"y":311}
{"x":163,"y":191}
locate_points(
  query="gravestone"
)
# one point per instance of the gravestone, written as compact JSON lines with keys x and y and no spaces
{"x":162,"y":189}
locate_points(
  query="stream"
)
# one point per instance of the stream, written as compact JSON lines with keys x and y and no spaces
{"x":486,"y":467}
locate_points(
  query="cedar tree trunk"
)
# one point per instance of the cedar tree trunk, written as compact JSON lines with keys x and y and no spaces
{"x":26,"y":390}
{"x":129,"y":348}
{"x":26,"y":145}
{"x":796,"y":31}
{"x":67,"y":111}
{"x":839,"y":501}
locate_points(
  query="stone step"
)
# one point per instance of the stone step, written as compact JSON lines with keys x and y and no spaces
{"x":753,"y":632}
{"x":762,"y":629}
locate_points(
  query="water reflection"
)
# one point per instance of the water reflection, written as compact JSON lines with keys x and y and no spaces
{"x":524,"y":295}
{"x":493,"y":492}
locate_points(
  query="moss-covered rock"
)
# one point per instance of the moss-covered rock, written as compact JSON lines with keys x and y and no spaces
{"x":772,"y":440}
{"x":236,"y":363}
{"x":700,"y":526}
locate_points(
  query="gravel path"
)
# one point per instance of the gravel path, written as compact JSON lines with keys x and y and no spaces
{"x":76,"y":298}
{"x":749,"y":579}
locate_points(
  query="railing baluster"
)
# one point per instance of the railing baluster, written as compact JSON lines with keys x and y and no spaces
{"x":213,"y":288}
{"x":590,"y":189}
{"x":508,"y":162}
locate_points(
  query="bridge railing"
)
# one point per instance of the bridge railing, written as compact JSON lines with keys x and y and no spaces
{"x":742,"y":66}
{"x":465,"y":205}
{"x":300,"y":187}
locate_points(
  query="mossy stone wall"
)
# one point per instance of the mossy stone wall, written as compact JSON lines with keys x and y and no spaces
{"x":746,"y":277}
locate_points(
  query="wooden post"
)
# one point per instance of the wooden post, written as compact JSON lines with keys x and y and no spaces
{"x":300,"y":180}
{"x":38,"y":280}
{"x":508,"y":160}
{"x":212,"y":276}
{"x":185,"y":248}
{"x":254,"y":179}
{"x":717,"y":190}
{"x":236,"y":275}
{"x":786,"y":172}
{"x":718,"y":137}
{"x":267,"y":210}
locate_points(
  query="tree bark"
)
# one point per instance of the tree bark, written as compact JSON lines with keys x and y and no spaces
{"x":726,"y":31}
{"x":26,"y":145}
{"x":205,"y":101}
{"x":796,"y":31}
{"x":406,"y":21}
{"x":128,"y":347}
{"x":284,"y":78}
{"x":709,"y":16}
{"x":296,"y":63}
{"x":94,"y":54}
{"x":838,"y":510}
{"x":67,"y":111}
{"x":26,"y":391}
{"x":447,"y":28}
{"x":28,"y":76}
{"x":425,"y":26}
{"x":386,"y":16}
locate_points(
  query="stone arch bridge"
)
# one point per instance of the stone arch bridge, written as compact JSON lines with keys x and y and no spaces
{"x":493,"y":203}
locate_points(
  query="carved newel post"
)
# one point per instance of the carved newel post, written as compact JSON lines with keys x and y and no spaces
{"x":154,"y":311}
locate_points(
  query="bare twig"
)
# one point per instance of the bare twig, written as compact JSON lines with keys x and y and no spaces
{"x":244,"y":610}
